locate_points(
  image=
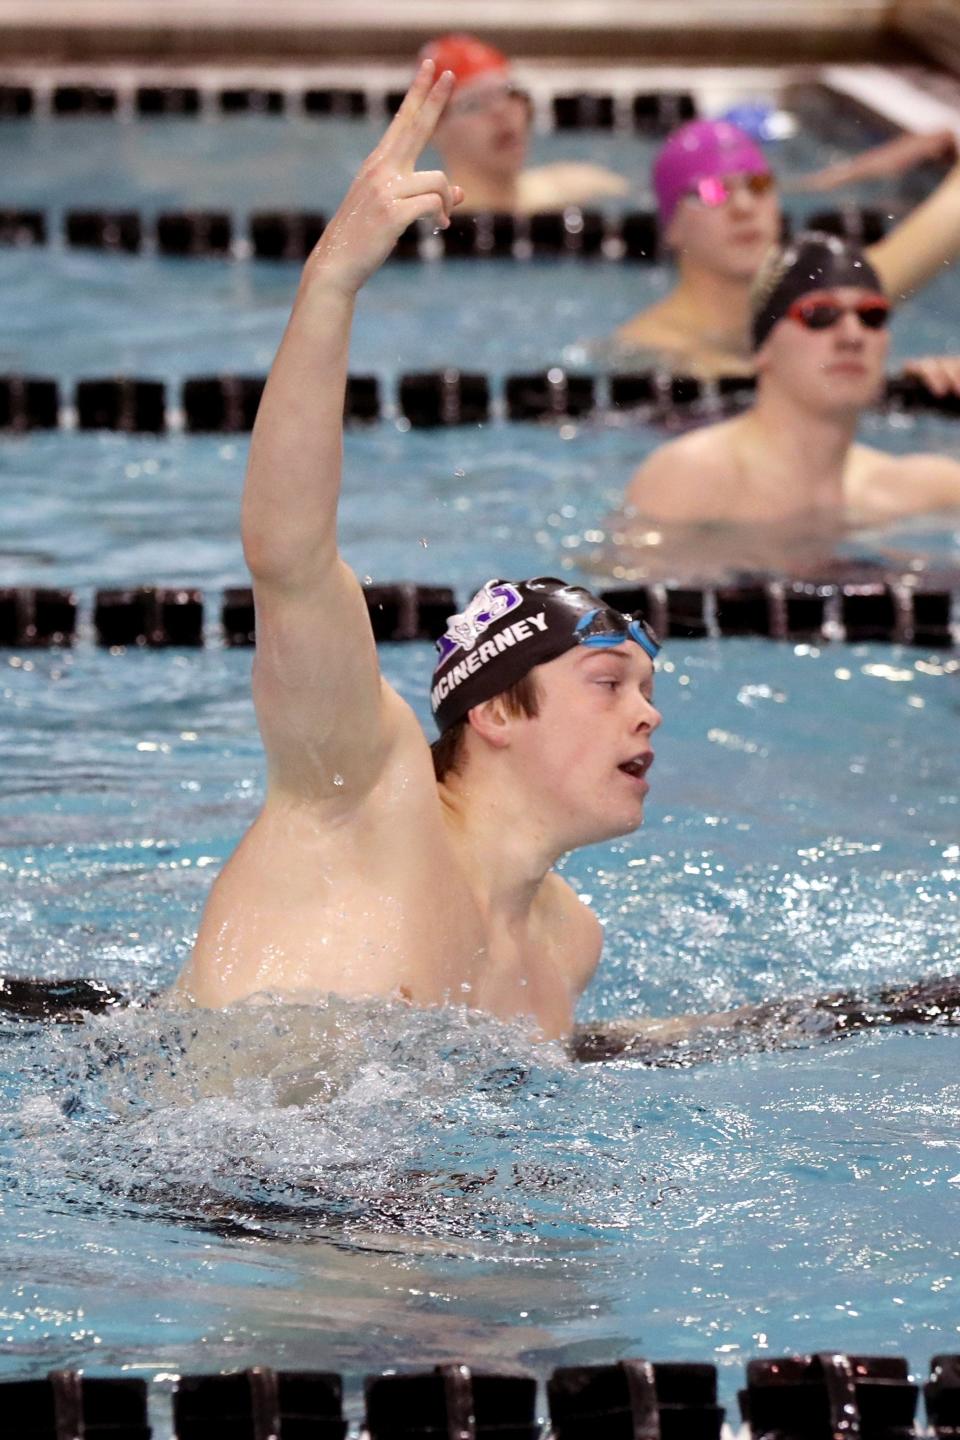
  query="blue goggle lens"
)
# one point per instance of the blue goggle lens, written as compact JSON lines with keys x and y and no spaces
{"x":601,"y":637}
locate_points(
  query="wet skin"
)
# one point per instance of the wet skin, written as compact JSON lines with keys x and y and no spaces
{"x":362,"y":876}
{"x":792,"y":460}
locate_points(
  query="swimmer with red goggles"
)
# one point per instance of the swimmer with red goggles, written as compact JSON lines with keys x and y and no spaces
{"x":821,"y":311}
{"x":789,"y":477}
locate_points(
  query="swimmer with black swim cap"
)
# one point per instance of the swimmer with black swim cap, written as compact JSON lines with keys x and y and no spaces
{"x":820,"y":336}
{"x":374,"y":867}
{"x":510,"y":627}
{"x":813,"y":265}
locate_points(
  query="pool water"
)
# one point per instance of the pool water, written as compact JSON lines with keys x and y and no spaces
{"x":355,"y":1185}
{"x":358,"y":1186}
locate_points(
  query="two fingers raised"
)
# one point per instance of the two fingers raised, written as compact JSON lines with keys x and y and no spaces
{"x":414,"y":123}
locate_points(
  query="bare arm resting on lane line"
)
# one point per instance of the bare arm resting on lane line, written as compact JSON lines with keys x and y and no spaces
{"x":326,"y":717}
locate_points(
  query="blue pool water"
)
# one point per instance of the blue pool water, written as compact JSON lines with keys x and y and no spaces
{"x":260,"y":162}
{"x":352,"y":1186}
{"x":355,"y":1185}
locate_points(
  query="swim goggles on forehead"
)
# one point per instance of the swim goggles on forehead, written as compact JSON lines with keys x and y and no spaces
{"x":602,"y":629}
{"x":715,"y":190}
{"x":481,"y":99}
{"x":819,"y":312}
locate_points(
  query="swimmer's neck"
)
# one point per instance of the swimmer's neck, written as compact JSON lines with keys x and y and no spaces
{"x":711,"y":306}
{"x":807,"y":450}
{"x":505,"y":844}
{"x":485,"y":191}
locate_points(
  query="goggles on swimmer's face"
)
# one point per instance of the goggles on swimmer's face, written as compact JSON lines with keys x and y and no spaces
{"x":603,"y":629}
{"x":819,"y":312}
{"x":475,"y":100}
{"x":716,"y":190}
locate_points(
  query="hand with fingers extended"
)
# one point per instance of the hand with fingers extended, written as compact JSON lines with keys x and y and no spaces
{"x":388,"y":195}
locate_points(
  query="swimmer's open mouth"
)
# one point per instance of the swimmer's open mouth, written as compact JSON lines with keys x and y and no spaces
{"x":638,"y":766}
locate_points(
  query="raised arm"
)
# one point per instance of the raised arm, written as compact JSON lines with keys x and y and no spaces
{"x":893,"y":157}
{"x":922,"y":244}
{"x":326,"y":718}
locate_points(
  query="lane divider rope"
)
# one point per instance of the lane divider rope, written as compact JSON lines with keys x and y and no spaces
{"x":643,"y":112}
{"x":918,"y":610}
{"x":227,"y":404}
{"x":571,"y":234}
{"x":826,"y":1393}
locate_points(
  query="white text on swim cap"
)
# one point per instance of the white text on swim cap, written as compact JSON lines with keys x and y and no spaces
{"x":487,"y":650}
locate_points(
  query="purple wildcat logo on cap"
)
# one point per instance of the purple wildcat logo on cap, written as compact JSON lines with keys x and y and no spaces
{"x":491,"y":601}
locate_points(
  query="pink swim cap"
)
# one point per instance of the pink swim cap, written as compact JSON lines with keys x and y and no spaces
{"x":702,"y":150}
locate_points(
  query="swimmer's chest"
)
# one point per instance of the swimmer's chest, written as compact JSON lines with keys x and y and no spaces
{"x":379,"y":909}
{"x":355,"y":906}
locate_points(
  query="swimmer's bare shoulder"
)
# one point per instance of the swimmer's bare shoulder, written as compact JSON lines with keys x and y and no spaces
{"x":688,"y":479}
{"x":658,"y":336}
{"x":561,"y":952}
{"x":319,"y":894}
{"x":652,"y":329}
{"x":578,"y":931}
{"x":880,"y":486}
{"x":550,"y":187}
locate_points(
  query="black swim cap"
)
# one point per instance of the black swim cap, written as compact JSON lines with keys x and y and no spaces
{"x":511,"y":626}
{"x":813,"y":261}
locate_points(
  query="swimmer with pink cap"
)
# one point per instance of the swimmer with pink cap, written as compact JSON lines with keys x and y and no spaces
{"x":719,"y":216}
{"x":698,"y":158}
{"x":483,"y":135}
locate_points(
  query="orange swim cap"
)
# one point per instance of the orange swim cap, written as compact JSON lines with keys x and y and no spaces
{"x":466,"y":56}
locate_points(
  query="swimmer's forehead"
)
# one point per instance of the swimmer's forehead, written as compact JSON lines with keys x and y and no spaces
{"x":839,"y":292}
{"x":628,"y":652}
{"x":626,"y":655}
{"x":487,"y":80}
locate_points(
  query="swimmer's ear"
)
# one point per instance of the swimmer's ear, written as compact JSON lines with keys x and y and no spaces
{"x":492,"y":722}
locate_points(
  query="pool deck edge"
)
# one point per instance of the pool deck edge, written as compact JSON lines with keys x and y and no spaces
{"x":746,"y":31}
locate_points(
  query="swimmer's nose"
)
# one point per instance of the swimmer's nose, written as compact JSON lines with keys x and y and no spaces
{"x":849,"y":332}
{"x":502,"y":104}
{"x":742,"y":199}
{"x":649,"y":717}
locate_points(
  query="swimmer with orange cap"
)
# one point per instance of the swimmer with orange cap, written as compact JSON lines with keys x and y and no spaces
{"x":483,"y":134}
{"x":719,"y":214}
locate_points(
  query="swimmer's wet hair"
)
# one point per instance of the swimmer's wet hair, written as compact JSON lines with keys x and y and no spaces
{"x":521,"y":698}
